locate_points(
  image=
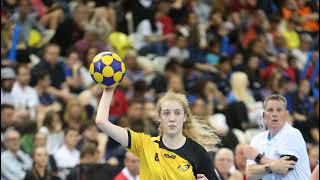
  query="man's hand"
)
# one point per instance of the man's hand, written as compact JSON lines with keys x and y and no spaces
{"x":250,"y":152}
{"x":282,"y":165}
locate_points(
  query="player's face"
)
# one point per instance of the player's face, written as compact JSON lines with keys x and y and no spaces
{"x":172,"y":117}
{"x":275,"y":114}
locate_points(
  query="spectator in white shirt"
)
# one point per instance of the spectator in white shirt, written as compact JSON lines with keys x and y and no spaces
{"x":67,"y":156}
{"x":26,"y":95}
{"x":14,"y":162}
{"x":265,"y":152}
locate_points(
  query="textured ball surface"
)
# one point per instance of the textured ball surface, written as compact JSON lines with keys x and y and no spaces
{"x":107,"y":69}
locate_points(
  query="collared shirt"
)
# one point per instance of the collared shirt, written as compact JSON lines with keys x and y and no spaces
{"x":14,"y":167}
{"x":288,"y":141}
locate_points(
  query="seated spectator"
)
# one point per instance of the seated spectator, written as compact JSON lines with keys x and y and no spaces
{"x":27,"y":20}
{"x":179,"y":51}
{"x":77,"y":77}
{"x":52,"y":128}
{"x":240,"y":160}
{"x":89,"y":168}
{"x":28,"y":102}
{"x":151,"y":118}
{"x":40,"y":165}
{"x":47,"y":102}
{"x":302,"y":107}
{"x":67,"y":156}
{"x":313,"y":119}
{"x":72,"y":28}
{"x":91,"y":134}
{"x":51,"y":13}
{"x":75,"y":114}
{"x":224,"y":163}
{"x":40,"y":140}
{"x":131,"y":169}
{"x":52,"y":63}
{"x":7,"y":118}
{"x":90,"y":39}
{"x":8,"y":77}
{"x":14,"y":162}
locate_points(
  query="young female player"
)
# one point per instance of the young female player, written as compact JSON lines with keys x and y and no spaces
{"x":175,"y":154}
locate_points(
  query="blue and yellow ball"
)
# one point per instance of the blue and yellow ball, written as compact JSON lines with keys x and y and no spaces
{"x":107,"y":69}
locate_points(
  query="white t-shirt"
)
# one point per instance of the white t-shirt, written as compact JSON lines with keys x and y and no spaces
{"x":26,"y":98}
{"x":288,"y":141}
{"x":66,"y":158}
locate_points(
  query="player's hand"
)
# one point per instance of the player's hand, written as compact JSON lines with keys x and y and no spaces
{"x":201,"y":177}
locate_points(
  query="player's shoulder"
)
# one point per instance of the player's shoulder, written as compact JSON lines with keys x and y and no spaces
{"x":194,"y":147}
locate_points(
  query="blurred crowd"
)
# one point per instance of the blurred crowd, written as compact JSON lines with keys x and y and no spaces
{"x":225,"y":55}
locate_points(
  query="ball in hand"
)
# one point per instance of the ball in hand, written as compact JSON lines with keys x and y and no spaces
{"x":107,"y":69}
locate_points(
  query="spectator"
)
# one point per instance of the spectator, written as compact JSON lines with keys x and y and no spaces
{"x":302,"y":106}
{"x":71,"y":29}
{"x":52,"y":128}
{"x":27,"y":20}
{"x":51,"y":13}
{"x":75,"y":114}
{"x":54,"y":66}
{"x":131,"y":169}
{"x":14,"y":162}
{"x":67,"y":156}
{"x":313,"y":119}
{"x":8,"y":77}
{"x":77,"y":77}
{"x":47,"y":101}
{"x":240,"y":159}
{"x":263,"y":160}
{"x":40,"y":165}
{"x":90,"y":134}
{"x":224,"y":163}
{"x":7,"y":118}
{"x":90,"y":39}
{"x":28,"y":102}
{"x":179,"y":51}
{"x":151,"y":118}
{"x":301,"y":53}
{"x":40,"y":140}
{"x":88,"y":167}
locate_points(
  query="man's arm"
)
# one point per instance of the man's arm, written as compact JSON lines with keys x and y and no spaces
{"x":256,"y":171}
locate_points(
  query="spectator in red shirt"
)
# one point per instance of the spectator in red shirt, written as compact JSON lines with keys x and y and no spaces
{"x":131,"y":169}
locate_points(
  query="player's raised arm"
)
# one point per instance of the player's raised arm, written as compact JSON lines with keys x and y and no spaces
{"x":117,"y":133}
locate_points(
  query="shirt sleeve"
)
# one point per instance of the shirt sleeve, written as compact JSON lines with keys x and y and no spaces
{"x":137,"y":142}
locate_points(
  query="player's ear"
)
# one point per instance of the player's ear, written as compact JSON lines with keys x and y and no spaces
{"x":263,"y":114}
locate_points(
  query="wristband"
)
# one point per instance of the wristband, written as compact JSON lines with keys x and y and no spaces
{"x":258,"y":158}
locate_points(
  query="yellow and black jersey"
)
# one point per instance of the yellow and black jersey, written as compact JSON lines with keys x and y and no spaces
{"x":157,"y":162}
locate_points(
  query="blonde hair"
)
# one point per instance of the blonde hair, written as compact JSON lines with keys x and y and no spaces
{"x":193,"y":128}
{"x":239,"y":84}
{"x":67,"y":115}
